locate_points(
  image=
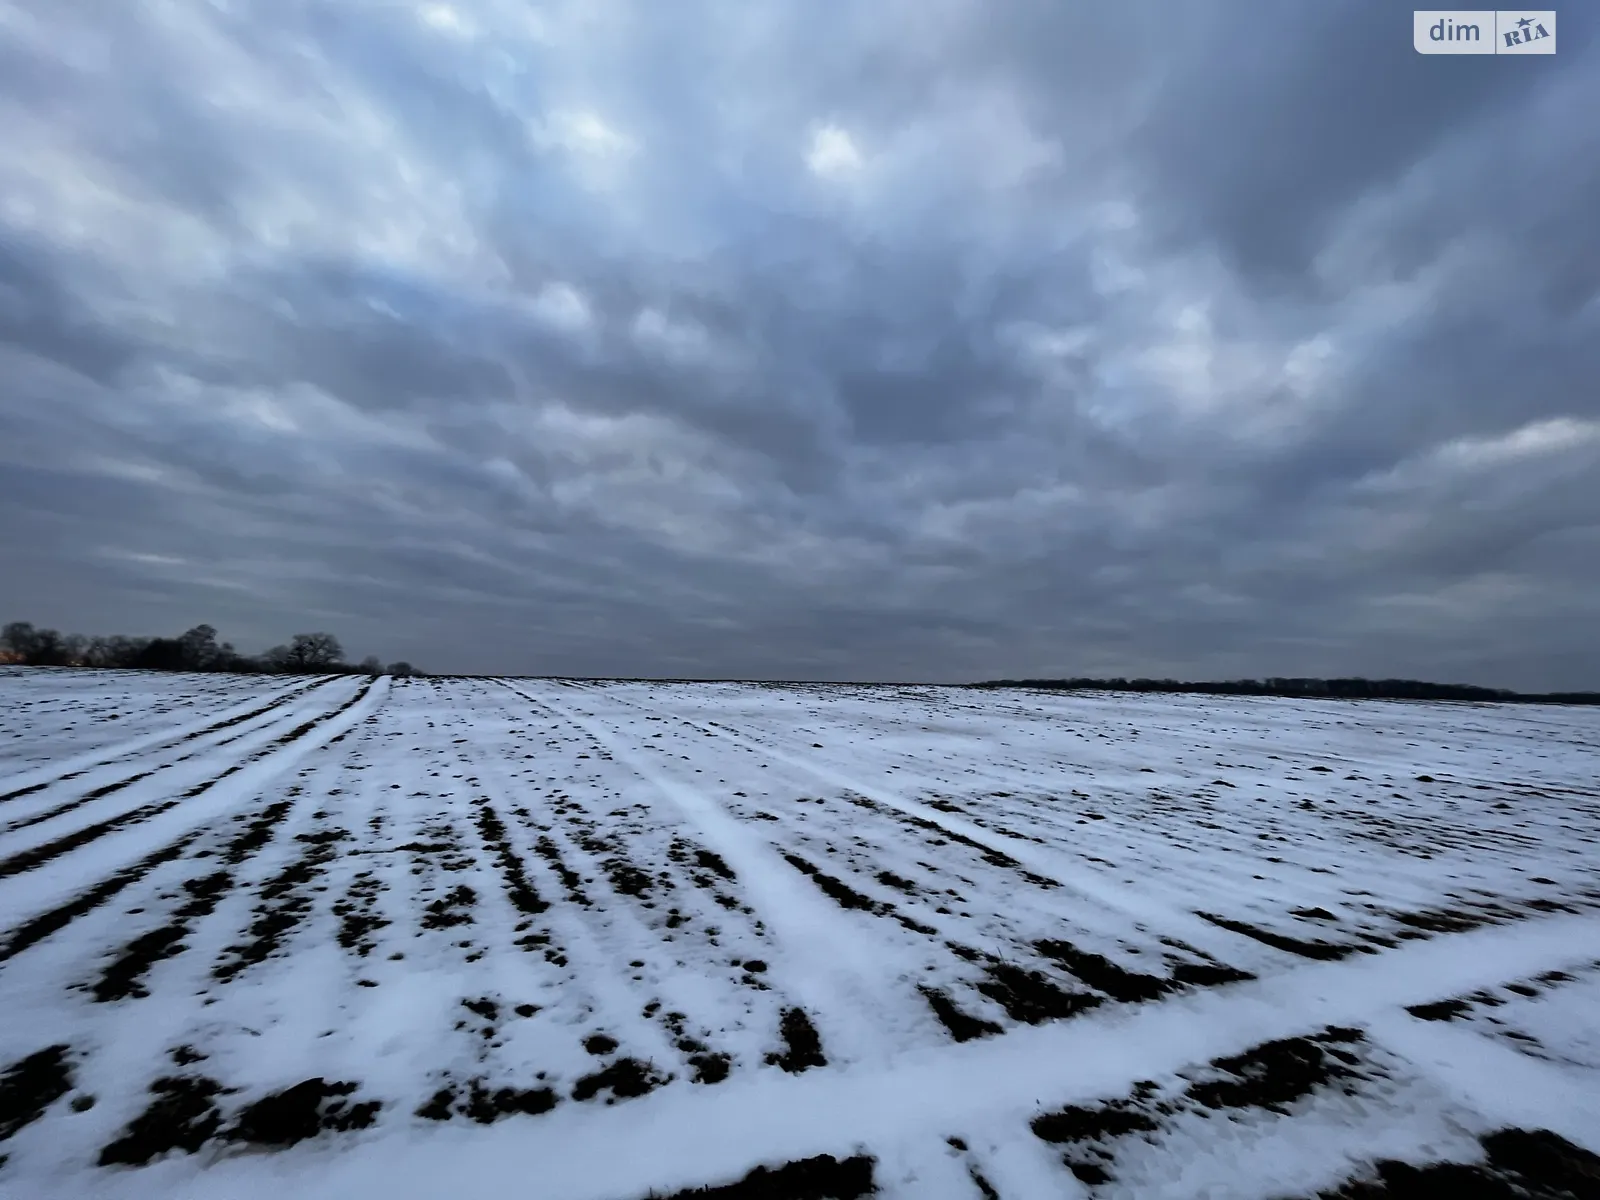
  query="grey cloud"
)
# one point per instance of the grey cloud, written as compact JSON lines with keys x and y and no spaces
{"x":1152,"y":340}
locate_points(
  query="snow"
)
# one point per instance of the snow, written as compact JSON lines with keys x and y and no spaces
{"x":433,"y":890}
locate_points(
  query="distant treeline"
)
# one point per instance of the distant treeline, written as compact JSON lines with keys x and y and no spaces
{"x":196,"y":650}
{"x":1343,"y":689}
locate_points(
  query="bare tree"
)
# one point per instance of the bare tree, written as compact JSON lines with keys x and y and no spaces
{"x":35,"y":647}
{"x":314,"y":651}
{"x":199,"y":648}
{"x":194,"y":650}
{"x":18,"y":640}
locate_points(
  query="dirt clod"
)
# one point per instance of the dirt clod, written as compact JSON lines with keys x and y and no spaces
{"x":31,"y":1085}
{"x":1031,"y":997}
{"x":962,"y":1026}
{"x":821,"y":1178}
{"x":1100,"y":973}
{"x":182,"y":1116}
{"x":301,"y":1112}
{"x":802,"y":1045}
{"x":625,"y":1079}
{"x":1277,"y":1073}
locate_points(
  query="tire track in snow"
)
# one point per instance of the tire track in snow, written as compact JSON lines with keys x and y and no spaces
{"x":51,"y":848}
{"x":57,"y":900}
{"x":241,"y":726}
{"x":838,"y":966}
{"x":1049,"y":864}
{"x":127,"y":1043}
{"x":608,"y":932}
{"x":40,"y":778}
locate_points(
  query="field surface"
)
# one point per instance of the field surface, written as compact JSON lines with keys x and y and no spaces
{"x":267,"y":937}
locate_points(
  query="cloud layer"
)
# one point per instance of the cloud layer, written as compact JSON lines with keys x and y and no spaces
{"x":925,"y":341}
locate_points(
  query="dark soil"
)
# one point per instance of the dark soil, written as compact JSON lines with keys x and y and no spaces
{"x":570,"y":879}
{"x":625,"y":1078}
{"x":454,"y":908}
{"x":78,"y":802}
{"x":115,"y":787}
{"x":962,"y":1027}
{"x":1442,"y":1010}
{"x":710,"y":1066}
{"x":1520,"y":1165}
{"x":302,"y":1112}
{"x":123,"y":978}
{"x":37,"y":856}
{"x":836,"y":890}
{"x":522,"y":894}
{"x":1277,"y":1073}
{"x":183,"y":1116}
{"x":1075,"y":1124}
{"x":284,"y":904}
{"x":1321,"y":951}
{"x":306,"y":727}
{"x":712,"y":861}
{"x":1128,"y":987}
{"x":821,"y":1178}
{"x":438,"y":1106}
{"x":31,"y":1085}
{"x":1030,"y":997}
{"x":1208,"y":974}
{"x":599,"y":1044}
{"x":485,"y":1106}
{"x":1443,"y":921}
{"x":627,"y":879}
{"x":259,"y":831}
{"x":802,"y":1045}
{"x":995,"y":858}
{"x":898,"y":882}
{"x":358,"y":914}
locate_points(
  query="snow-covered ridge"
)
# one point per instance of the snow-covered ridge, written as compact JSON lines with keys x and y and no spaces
{"x":504,"y":937}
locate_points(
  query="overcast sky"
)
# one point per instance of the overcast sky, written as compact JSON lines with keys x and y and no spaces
{"x":831,"y":339}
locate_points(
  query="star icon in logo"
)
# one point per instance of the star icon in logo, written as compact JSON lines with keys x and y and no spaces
{"x":1525,"y":22}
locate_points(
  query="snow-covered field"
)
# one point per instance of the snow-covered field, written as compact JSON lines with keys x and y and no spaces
{"x":476,"y":938}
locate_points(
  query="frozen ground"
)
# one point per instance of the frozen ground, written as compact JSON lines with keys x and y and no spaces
{"x":477,"y":938}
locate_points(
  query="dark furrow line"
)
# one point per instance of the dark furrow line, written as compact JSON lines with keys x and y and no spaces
{"x":521,"y":892}
{"x":58,"y":918}
{"x":109,"y":789}
{"x":286,"y":901}
{"x":45,"y":924}
{"x":1319,"y":951}
{"x":124,"y":976}
{"x":38,"y":856}
{"x":200,"y":733}
{"x":98,"y":794}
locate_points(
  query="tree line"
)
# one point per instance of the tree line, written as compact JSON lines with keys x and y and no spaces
{"x":195,"y":650}
{"x":1344,"y":689}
